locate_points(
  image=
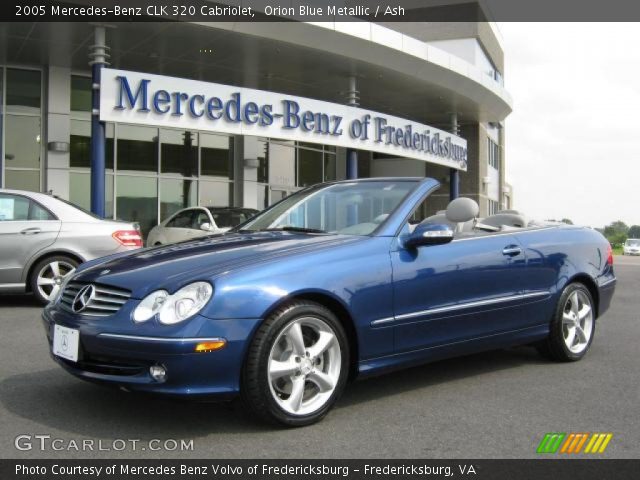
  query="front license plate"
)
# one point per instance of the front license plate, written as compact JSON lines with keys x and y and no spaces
{"x":66,"y":342}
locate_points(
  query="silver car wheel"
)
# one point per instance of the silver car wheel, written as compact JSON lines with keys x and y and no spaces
{"x":577,"y":321}
{"x":304,"y":366}
{"x":51,"y":276}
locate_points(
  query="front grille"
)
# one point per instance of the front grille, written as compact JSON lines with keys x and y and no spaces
{"x":105,"y":302}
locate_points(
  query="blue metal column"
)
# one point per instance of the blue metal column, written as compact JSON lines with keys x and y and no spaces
{"x":98,"y":57}
{"x":454,"y":184}
{"x":352,"y":155}
{"x":352,"y":164}
{"x":454,"y":173}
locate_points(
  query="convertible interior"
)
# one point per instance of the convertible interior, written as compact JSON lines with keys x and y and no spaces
{"x":462,"y":216}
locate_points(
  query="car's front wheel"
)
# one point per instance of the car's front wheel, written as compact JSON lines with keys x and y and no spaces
{"x":573,"y":326}
{"x":297,"y":365}
{"x":49,"y":274}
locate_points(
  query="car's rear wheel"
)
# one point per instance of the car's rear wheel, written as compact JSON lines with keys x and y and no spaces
{"x":47,"y":276}
{"x":573,"y":326}
{"x":297,"y":365}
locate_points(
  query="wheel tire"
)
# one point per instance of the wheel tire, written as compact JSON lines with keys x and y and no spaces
{"x":46,"y":269}
{"x":556,"y":346}
{"x":258,"y":389}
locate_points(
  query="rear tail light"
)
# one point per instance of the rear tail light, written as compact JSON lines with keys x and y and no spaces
{"x":609,"y":255}
{"x":128,"y":238}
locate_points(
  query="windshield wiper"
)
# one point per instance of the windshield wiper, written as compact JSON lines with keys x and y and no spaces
{"x":291,"y":228}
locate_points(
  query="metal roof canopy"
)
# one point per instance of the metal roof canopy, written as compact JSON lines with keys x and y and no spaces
{"x":252,"y":59}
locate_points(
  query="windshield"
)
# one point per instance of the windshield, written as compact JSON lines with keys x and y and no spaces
{"x":231,"y":218}
{"x":633,"y":242}
{"x":354,"y":208}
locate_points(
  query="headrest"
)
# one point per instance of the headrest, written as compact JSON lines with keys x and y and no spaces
{"x":462,"y":210}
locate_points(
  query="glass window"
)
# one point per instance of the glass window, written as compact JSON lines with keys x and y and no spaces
{"x":22,"y":180}
{"x":310,"y":165}
{"x":179,"y":152}
{"x":23,"y":91}
{"x":329,"y":167}
{"x":13,"y":207}
{"x":38,"y":212}
{"x":175,"y":195}
{"x":339,"y":208}
{"x":80,"y":94}
{"x":231,"y":217}
{"x":200,"y":217}
{"x":137,"y":148}
{"x":137,"y":201}
{"x":216,"y":155}
{"x":22,"y":142}
{"x":420,"y":213}
{"x":281,"y":164}
{"x":364,"y":165}
{"x":80,"y":145}
{"x":493,"y":153}
{"x":215,"y":194}
{"x":262,"y":196}
{"x":182,"y":220}
{"x":80,"y":191}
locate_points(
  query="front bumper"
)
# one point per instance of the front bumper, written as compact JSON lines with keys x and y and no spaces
{"x":115,"y":351}
{"x":631,"y":252}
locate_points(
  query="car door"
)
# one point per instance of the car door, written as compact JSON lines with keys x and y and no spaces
{"x":466,"y":289}
{"x":26,"y":227}
{"x":179,"y":227}
{"x":201,"y":216}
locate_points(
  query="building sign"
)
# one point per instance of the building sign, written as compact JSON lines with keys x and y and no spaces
{"x":145,"y":99}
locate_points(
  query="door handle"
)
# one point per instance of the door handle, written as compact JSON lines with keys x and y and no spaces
{"x":511,"y":250}
{"x":31,"y":231}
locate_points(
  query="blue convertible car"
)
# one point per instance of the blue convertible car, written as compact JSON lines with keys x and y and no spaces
{"x":339,"y":280}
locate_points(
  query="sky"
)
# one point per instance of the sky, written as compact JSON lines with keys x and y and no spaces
{"x":572,"y":139}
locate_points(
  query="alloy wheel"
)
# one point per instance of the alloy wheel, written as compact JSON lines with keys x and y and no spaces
{"x":577,"y":321}
{"x":51,"y":276}
{"x":304,"y":366}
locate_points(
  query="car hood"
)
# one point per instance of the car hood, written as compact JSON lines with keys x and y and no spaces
{"x":171,"y":266}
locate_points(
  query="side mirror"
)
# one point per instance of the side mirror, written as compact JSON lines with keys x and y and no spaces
{"x":429,"y":234}
{"x":205,"y":226}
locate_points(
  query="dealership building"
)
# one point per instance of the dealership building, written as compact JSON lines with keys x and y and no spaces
{"x":243,"y":114}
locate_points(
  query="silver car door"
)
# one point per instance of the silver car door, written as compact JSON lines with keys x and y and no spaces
{"x":178,"y":228}
{"x":25,"y":229}
{"x":200,"y":217}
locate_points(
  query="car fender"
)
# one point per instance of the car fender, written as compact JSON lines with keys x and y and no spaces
{"x":358,"y":279}
{"x":49,"y":251}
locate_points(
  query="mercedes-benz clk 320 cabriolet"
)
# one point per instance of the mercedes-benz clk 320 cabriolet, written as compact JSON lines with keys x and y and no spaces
{"x":340,"y":280}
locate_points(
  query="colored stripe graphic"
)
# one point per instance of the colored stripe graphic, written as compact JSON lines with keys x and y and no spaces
{"x":598,"y":443}
{"x":551,"y":442}
{"x":572,"y":443}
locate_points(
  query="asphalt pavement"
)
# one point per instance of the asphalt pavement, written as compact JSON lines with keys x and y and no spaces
{"x":492,"y":405}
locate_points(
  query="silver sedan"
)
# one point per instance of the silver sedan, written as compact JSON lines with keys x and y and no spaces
{"x":43,"y":239}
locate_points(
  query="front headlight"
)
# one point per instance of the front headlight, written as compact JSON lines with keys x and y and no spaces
{"x":150,"y":305}
{"x":185,"y":303}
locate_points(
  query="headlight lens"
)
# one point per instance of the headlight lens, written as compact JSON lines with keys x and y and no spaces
{"x":150,"y":305}
{"x":185,"y":303}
